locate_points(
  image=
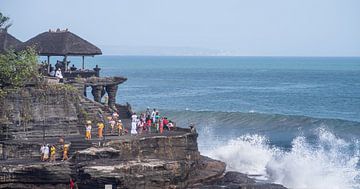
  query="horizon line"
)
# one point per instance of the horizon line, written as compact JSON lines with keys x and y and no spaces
{"x":245,"y":56}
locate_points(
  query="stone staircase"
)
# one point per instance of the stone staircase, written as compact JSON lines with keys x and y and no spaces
{"x":78,"y":144}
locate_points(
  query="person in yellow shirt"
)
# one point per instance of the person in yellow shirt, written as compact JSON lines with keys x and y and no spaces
{"x":65,"y":152}
{"x":52,"y":153}
{"x":120,"y":127}
{"x":88,"y":130}
{"x":100,"y":126}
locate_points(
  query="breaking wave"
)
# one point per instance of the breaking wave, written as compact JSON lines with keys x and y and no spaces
{"x":329,"y":162}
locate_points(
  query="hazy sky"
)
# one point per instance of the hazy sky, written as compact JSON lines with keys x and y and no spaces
{"x":236,"y":27}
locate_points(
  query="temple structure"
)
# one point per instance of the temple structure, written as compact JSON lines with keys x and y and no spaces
{"x":7,"y":41}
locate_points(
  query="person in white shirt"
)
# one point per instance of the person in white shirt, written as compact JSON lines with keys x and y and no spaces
{"x":58,"y":74}
{"x":46,"y":152}
{"x":42,"y":152}
{"x":133,"y":124}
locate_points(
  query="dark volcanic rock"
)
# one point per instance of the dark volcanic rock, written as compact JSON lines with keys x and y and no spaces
{"x":236,"y":180}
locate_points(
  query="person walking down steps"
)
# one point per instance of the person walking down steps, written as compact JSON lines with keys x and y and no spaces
{"x":88,"y":130}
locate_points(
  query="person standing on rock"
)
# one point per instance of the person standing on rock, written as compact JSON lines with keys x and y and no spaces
{"x":153,"y":114}
{"x":100,"y":126}
{"x":88,"y":130}
{"x":52,"y":153}
{"x":148,"y":113}
{"x":112,"y":123}
{"x":119,"y":126}
{"x":133,"y":124}
{"x":115,"y":116}
{"x":42,"y":152}
{"x":161,"y":125}
{"x":65,"y":152}
{"x":46,"y":152}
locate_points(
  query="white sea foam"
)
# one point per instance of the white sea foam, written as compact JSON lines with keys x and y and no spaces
{"x":328,"y":162}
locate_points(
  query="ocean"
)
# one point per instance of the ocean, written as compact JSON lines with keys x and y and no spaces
{"x":289,"y":120}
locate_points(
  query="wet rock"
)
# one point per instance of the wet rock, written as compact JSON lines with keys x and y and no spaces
{"x":236,"y":180}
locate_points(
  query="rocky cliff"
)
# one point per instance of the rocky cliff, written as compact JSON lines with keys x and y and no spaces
{"x":32,"y":116}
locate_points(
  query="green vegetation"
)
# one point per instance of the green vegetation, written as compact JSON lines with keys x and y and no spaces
{"x":17,"y":69}
{"x":4,"y":22}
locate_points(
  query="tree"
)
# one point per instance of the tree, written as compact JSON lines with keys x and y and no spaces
{"x":4,"y":22}
{"x":17,"y":69}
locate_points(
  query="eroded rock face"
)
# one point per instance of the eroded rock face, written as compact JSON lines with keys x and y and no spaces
{"x":168,"y":160}
{"x":34,"y":113}
{"x":129,"y":163}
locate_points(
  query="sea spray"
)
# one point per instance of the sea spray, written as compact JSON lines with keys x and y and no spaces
{"x":327,"y":162}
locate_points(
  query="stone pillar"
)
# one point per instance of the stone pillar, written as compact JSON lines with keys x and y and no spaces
{"x":112,"y":90}
{"x":96,"y":92}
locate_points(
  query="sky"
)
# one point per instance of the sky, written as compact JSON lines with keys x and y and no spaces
{"x":197,"y":27}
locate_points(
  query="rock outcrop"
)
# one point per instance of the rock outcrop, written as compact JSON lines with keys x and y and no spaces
{"x":32,"y":116}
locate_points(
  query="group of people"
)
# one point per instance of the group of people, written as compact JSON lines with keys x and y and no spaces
{"x":113,"y":121}
{"x":151,"y":122}
{"x":48,"y":152}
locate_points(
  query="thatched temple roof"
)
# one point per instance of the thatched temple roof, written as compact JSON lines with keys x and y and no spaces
{"x":61,"y":43}
{"x":7,"y":41}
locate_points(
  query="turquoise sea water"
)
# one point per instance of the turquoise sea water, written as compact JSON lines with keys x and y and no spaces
{"x":316,"y":87}
{"x":292,"y":120}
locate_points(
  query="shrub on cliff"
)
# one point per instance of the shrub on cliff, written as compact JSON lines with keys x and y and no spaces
{"x":18,"y":68}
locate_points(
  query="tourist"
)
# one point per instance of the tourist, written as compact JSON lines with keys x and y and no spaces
{"x":65,"y":152}
{"x":112,"y":123}
{"x":156,"y":126}
{"x":88,"y":130}
{"x":73,"y":68}
{"x":148,"y":113}
{"x":52,"y":72}
{"x":46,"y":152}
{"x":52,"y":153}
{"x":192,"y":128}
{"x":148,"y":125}
{"x":119,"y":126}
{"x":115,"y":116}
{"x":133,"y":124}
{"x":153,"y":114}
{"x":42,"y":152}
{"x":141,"y":126}
{"x":134,"y":117}
{"x":165,"y":122}
{"x":157,"y":118}
{"x":170,"y":126}
{"x":58,"y":74}
{"x":161,"y":125}
{"x":100,"y":126}
{"x":142,"y":117}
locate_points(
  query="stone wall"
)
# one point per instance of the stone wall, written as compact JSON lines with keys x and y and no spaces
{"x":38,"y":113}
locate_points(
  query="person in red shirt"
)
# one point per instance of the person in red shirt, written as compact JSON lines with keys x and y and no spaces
{"x":148,"y":125}
{"x":165,"y":122}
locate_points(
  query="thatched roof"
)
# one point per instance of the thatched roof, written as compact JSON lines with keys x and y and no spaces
{"x":8,"y":41}
{"x":61,"y":43}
